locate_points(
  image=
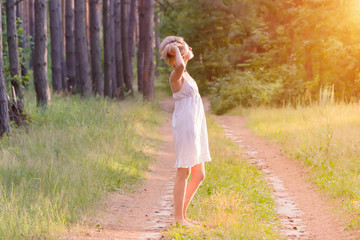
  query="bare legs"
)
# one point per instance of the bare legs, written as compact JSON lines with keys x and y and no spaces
{"x":184,"y":191}
{"x":179,"y":194}
{"x":197,"y":177}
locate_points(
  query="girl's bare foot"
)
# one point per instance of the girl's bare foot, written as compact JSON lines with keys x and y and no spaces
{"x":192,"y":221}
{"x":183,"y":222}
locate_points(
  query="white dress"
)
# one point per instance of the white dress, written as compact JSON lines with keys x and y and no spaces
{"x":189,"y":126}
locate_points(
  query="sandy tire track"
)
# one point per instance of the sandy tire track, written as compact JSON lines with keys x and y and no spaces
{"x":305,"y":213}
{"x":145,"y":213}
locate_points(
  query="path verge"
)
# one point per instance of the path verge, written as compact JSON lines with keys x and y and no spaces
{"x":143,"y":214}
{"x":304,"y":211}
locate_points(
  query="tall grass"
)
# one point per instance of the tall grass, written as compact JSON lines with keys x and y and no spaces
{"x":55,"y":169}
{"x":234,"y":202}
{"x":325,"y":138}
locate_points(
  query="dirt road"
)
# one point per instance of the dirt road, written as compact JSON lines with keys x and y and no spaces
{"x":304,"y":212}
{"x":145,"y":213}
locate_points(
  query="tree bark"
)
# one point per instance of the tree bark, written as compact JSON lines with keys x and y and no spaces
{"x":95,"y":47}
{"x":157,"y":44}
{"x":148,"y":92}
{"x":87,"y":24}
{"x":56,"y":45}
{"x":31,"y":29}
{"x":113,"y":54}
{"x":141,"y":46}
{"x":63,"y":37}
{"x":22,"y":41}
{"x":107,"y":48}
{"x":70,"y":46}
{"x":126,"y":59}
{"x":132,"y":23}
{"x":4,"y":110}
{"x":12,"y":39}
{"x":40,"y":55}
{"x":82,"y":48}
{"x":118,"y":51}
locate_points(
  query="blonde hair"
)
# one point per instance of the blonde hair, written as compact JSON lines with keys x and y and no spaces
{"x":167,"y":43}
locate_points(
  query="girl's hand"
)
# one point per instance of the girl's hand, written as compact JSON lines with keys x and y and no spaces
{"x":172,"y":49}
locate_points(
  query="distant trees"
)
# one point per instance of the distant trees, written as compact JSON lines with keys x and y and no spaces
{"x":268,"y":52}
{"x":76,"y":33}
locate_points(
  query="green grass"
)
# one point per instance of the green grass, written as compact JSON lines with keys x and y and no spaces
{"x":326,"y":139}
{"x":234,"y":202}
{"x":58,"y":167}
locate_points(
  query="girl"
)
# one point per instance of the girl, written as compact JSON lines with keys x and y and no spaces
{"x":189,"y":126}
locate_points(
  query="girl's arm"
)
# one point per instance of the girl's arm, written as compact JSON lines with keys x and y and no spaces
{"x":175,"y":77}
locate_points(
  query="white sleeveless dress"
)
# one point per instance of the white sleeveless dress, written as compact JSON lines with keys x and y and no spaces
{"x":189,"y":126}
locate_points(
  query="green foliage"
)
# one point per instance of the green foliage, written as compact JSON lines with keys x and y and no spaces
{"x":24,"y":54}
{"x":249,"y":91}
{"x":55,"y":170}
{"x":234,"y":201}
{"x":289,"y":49}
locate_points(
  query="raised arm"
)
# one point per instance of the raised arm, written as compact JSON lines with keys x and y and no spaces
{"x":179,"y":67}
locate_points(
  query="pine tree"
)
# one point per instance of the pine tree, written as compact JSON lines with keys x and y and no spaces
{"x":56,"y":44}
{"x":4,"y":110}
{"x":97,"y":78}
{"x":40,"y":55}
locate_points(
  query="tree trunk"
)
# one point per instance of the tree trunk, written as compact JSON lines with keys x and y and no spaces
{"x":82,"y":48}
{"x":4,"y":110}
{"x":113,"y":54}
{"x":132,"y":23}
{"x":56,"y":44}
{"x":87,"y":24}
{"x":22,"y":43}
{"x":107,"y":48}
{"x":148,"y":92}
{"x":141,"y":46}
{"x":63,"y":37}
{"x":31,"y":29}
{"x":126,"y":59}
{"x":12,"y":39}
{"x":118,"y":51}
{"x":95,"y":47}
{"x":70,"y":46}
{"x":157,"y":44}
{"x":40,"y":55}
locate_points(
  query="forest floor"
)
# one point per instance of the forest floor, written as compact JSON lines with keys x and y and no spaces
{"x":305,"y":213}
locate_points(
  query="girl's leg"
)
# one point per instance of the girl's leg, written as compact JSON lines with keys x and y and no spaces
{"x":197,"y":177}
{"x":179,"y":194}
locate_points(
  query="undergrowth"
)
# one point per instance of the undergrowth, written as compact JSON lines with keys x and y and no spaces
{"x":56,"y":168}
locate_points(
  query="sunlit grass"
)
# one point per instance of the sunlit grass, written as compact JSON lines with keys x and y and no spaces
{"x":234,"y":202}
{"x":54,"y":170}
{"x":325,"y":138}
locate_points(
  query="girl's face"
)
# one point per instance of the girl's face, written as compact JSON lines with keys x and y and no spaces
{"x":189,"y":54}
